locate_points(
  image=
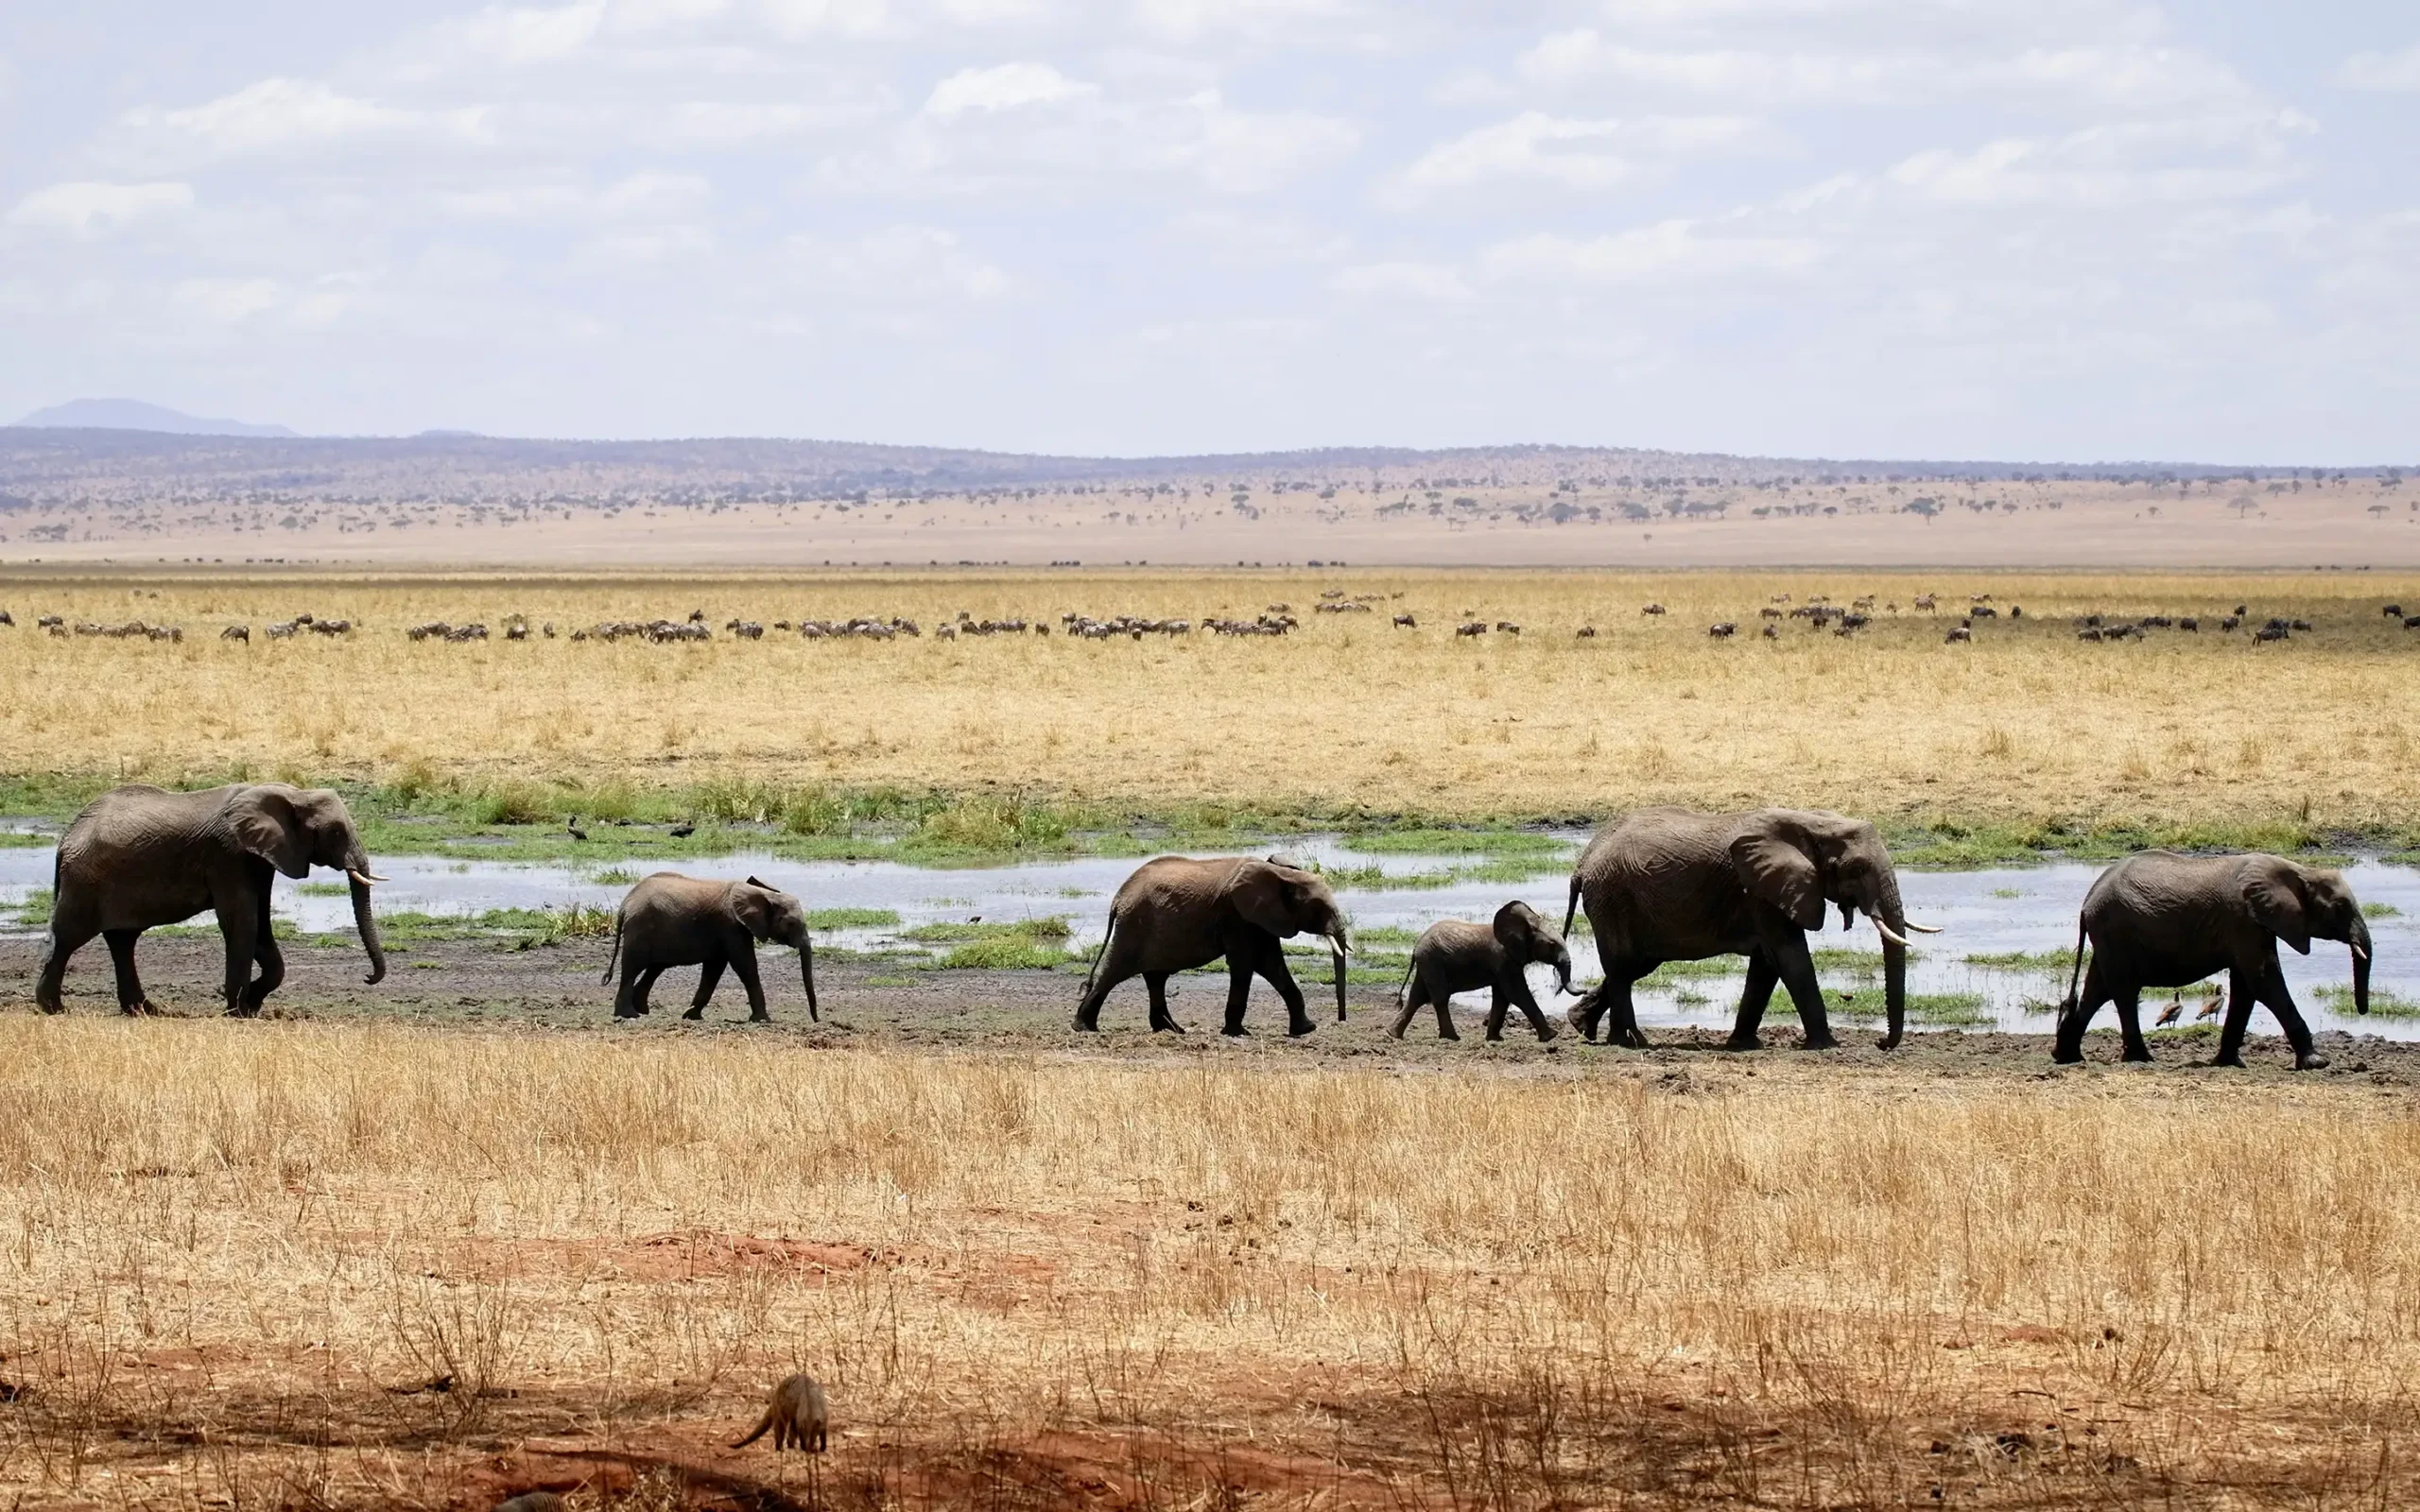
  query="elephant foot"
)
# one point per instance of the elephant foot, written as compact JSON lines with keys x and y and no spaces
{"x":760,"y":1018}
{"x":1748,"y":1041}
{"x":1233,"y":1031}
{"x":1167,"y":1025}
{"x":694,"y":1013}
{"x":1889,"y":1041}
{"x":1454,"y":1035}
{"x":1084,"y":1026}
{"x":2236,"y":1061}
{"x":1395,"y":1033}
{"x":2313,"y":1061}
{"x":49,"y":1008}
{"x":2066,"y":1055}
{"x":1296,"y":1028}
{"x":1821,"y":1042}
{"x":1546,"y":1033}
{"x":2138,"y":1054}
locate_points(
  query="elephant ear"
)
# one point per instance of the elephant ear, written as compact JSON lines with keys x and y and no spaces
{"x":2274,"y":894}
{"x":1776,"y":870}
{"x":267,"y":825}
{"x":1517,"y":930}
{"x":753,"y":902}
{"x":1268,"y":896}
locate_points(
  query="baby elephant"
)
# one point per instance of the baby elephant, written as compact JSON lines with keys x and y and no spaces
{"x":797,"y":1414}
{"x":669,"y":920}
{"x":1454,"y":956}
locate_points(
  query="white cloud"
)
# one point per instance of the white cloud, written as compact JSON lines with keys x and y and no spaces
{"x":897,"y":265}
{"x":1669,"y":251}
{"x":279,"y":115}
{"x":1411,"y":283}
{"x":2134,"y":77}
{"x":86,"y":207}
{"x":227,"y":301}
{"x":646,"y":247}
{"x":639,"y":196}
{"x":1257,"y":241}
{"x":1576,"y":155}
{"x":1003,"y":87}
{"x":2388,"y":71}
{"x":2111,"y":168}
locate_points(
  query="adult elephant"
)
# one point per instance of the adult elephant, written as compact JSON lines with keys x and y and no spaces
{"x":2163,"y":919}
{"x":1176,"y":912}
{"x":1669,"y":884}
{"x":138,"y":857}
{"x":669,"y":920}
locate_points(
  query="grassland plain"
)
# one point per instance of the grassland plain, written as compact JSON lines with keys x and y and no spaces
{"x":2027,"y":736}
{"x":339,"y":1264}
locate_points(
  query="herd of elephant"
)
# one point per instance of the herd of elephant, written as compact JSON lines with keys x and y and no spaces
{"x":1659,"y":885}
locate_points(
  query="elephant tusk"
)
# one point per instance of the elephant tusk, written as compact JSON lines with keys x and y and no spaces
{"x":2359,"y":955}
{"x":1886,"y":932}
{"x":1924,"y":929}
{"x":365,"y":878}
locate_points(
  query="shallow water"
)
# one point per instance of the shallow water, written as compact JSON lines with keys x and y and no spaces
{"x":2002,"y":910}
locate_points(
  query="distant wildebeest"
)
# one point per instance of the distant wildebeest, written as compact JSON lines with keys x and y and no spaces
{"x":1651,"y":608}
{"x":1722,"y":631}
{"x":1404,"y":622}
{"x":1471,"y":627}
{"x":1959,"y":634}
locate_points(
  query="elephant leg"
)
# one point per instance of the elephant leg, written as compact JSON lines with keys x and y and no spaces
{"x":1415,"y":997}
{"x":1116,"y":964}
{"x":1752,"y":1000}
{"x":1156,"y":983}
{"x":68,"y":935}
{"x":1273,"y":967}
{"x":2067,"y":1047}
{"x":272,"y":963}
{"x":1796,"y":967}
{"x":641,"y":987}
{"x":2130,"y":1021}
{"x":1497,"y":1006}
{"x":2290,"y":1018}
{"x":1518,"y":990}
{"x":239,"y":922}
{"x":1240,"y":969}
{"x":1443,"y":1001}
{"x":129,"y":982}
{"x":743,"y":965}
{"x":709,"y":977}
{"x":1609,"y":1003}
{"x":625,"y":997}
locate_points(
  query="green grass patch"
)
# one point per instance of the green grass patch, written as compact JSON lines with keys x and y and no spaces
{"x":852,"y":919}
{"x":1008,"y":953}
{"x":2338,"y":998}
{"x":26,"y":839}
{"x":1832,"y":958}
{"x":34,"y":910}
{"x":2021,"y":962}
{"x":1527,"y":844}
{"x":322,"y":889}
{"x":2381,"y":911}
{"x":1713,"y":965}
{"x":1946,"y":1008}
{"x":891,"y":981}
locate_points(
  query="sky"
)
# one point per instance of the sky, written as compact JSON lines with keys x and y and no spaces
{"x":2014,"y":230}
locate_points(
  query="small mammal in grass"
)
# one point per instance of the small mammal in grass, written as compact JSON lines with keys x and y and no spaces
{"x":797,"y":1414}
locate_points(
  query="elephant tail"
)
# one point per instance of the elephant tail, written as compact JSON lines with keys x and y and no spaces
{"x":1094,"y":970}
{"x":1411,"y":970}
{"x":2075,"y":975}
{"x":1571,"y":910}
{"x":617,"y":953}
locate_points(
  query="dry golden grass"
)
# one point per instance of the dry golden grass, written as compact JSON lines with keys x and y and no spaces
{"x":2026,"y":723}
{"x":1039,"y":1282}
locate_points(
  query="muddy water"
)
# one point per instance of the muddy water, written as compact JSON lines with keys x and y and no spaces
{"x":1997,"y":912}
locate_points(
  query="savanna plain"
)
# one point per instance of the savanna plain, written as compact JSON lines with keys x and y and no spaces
{"x":335,"y":1260}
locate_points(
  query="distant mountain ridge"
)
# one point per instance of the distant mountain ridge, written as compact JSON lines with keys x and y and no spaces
{"x":100,"y":464}
{"x":135,"y":414}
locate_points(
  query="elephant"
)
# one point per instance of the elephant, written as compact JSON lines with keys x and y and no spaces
{"x":1176,"y":912}
{"x":2162,"y":920}
{"x":1669,"y":884}
{"x":139,"y":857}
{"x":669,"y":920}
{"x":1454,"y":955}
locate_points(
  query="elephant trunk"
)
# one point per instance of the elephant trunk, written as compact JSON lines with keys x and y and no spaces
{"x":806,"y":974}
{"x":1563,"y":971}
{"x":1338,"y":948}
{"x":2360,"y":943}
{"x":367,"y":924}
{"x":1891,"y":923}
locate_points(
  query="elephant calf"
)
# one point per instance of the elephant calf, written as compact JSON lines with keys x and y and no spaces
{"x":1455,"y":956}
{"x":1176,"y":912}
{"x":669,"y":920}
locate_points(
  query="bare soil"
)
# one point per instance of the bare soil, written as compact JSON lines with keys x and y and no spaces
{"x":555,"y":989}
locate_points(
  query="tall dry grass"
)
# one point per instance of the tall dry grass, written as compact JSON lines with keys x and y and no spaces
{"x":2026,"y":723}
{"x":228,"y":1246}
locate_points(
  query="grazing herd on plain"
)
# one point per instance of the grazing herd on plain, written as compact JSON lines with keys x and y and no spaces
{"x":1817,"y":612}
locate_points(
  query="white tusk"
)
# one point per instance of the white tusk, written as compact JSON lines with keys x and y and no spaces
{"x":2359,"y":955}
{"x":1884,"y":929}
{"x":365,"y":878}
{"x":1924,"y":929}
